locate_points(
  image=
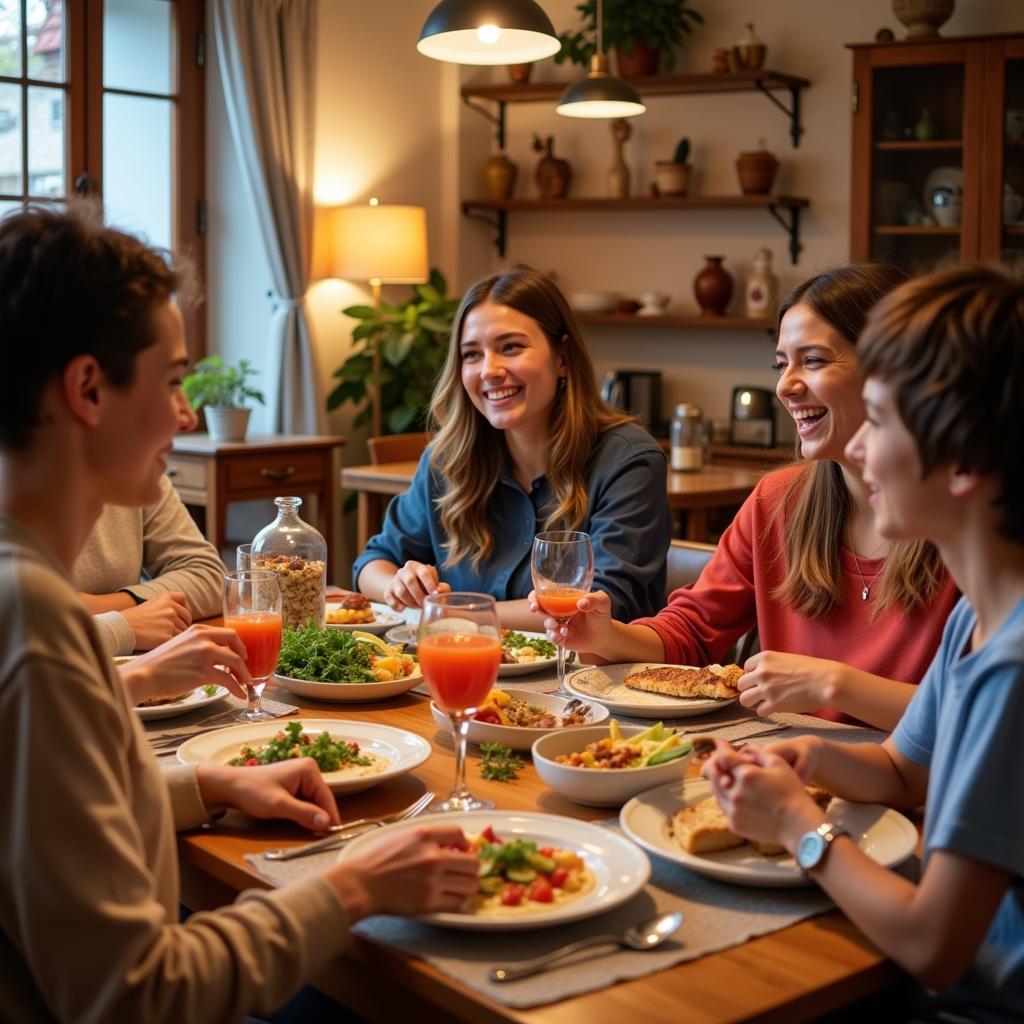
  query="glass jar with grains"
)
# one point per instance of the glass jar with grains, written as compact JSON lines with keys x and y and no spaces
{"x":298,"y":554}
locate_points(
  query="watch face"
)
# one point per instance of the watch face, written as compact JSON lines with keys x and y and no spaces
{"x":810,"y":850}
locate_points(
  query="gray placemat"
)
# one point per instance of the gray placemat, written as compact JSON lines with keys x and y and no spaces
{"x":715,"y":917}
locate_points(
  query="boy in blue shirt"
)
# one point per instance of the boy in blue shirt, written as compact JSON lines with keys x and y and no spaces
{"x":943,"y":361}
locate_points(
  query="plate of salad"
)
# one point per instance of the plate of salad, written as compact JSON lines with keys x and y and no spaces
{"x":351,"y":755}
{"x":338,"y":666}
{"x":169,"y":707}
{"x":523,"y":653}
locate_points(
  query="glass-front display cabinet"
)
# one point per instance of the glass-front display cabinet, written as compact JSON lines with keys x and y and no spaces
{"x":937,"y":167}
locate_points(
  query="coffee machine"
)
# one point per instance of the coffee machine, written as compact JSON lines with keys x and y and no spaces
{"x":635,"y":391}
{"x":752,"y":417}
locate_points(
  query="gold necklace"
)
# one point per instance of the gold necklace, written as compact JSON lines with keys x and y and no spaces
{"x":864,"y":594}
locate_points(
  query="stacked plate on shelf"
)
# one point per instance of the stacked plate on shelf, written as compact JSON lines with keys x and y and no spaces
{"x":593,"y":302}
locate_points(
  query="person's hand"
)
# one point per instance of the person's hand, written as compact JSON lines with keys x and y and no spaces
{"x":194,"y":658}
{"x":775,"y":681}
{"x":412,"y":871}
{"x":587,"y":629}
{"x":293,"y":789}
{"x":155,"y":621}
{"x":411,"y":584}
{"x":761,"y":796}
{"x":800,"y":753}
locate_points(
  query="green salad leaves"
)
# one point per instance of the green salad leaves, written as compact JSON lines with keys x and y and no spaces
{"x":329,"y":754}
{"x":324,"y":656}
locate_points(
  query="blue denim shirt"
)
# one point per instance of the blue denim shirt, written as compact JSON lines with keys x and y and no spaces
{"x":629,"y":523}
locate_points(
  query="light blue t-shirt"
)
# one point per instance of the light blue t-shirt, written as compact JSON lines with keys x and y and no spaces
{"x":628,"y":519}
{"x":966,"y":724}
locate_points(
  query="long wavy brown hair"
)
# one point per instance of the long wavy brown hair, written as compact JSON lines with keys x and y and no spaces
{"x":469,"y":453}
{"x":818,"y":504}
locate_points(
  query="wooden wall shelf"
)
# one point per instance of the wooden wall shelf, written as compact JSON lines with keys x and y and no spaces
{"x":917,"y":229}
{"x":719,"y":323}
{"x":915,"y":145}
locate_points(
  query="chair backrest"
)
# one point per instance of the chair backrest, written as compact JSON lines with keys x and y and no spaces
{"x":684,"y":563}
{"x":397,"y":447}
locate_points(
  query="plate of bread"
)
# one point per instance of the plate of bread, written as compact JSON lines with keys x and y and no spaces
{"x":647,"y":690}
{"x":683,"y":822}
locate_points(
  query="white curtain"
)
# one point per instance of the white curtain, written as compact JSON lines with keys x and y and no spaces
{"x":266,"y":52}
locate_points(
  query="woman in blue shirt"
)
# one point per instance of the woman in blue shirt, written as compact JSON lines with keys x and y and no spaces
{"x":523,"y":444}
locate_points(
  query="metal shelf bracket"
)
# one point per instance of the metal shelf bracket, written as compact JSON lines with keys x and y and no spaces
{"x":792,"y":111}
{"x":500,"y":224}
{"x":791,"y":227}
{"x":498,"y":120}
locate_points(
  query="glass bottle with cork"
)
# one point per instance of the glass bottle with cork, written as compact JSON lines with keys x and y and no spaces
{"x":298,"y":554}
{"x":687,"y":439}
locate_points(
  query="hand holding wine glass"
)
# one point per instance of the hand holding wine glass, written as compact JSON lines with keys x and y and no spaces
{"x":252,"y":608}
{"x":562,"y":565}
{"x":459,"y":652}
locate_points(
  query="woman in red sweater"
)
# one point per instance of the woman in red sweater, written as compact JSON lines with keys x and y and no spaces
{"x":848,"y":621}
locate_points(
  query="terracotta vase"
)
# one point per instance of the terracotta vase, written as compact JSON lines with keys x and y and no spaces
{"x":713,"y":287}
{"x":756,"y":171}
{"x":641,"y":60}
{"x":499,"y":176}
{"x":519,"y":74}
{"x":922,"y":17}
{"x":553,"y":174}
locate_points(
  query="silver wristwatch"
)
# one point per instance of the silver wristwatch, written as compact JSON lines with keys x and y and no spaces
{"x":813,"y":846}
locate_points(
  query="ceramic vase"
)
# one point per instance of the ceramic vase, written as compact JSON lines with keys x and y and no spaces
{"x":756,"y":171}
{"x":713,"y":287}
{"x":224,"y":423}
{"x":553,"y":174}
{"x":673,"y":179}
{"x":641,"y":60}
{"x":499,"y":176}
{"x":922,"y":17}
{"x":519,"y":74}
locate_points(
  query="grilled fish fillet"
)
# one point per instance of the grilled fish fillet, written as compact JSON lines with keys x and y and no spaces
{"x":702,"y":828}
{"x":717,"y":681}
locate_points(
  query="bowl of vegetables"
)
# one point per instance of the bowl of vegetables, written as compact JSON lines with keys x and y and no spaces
{"x":604,"y":766}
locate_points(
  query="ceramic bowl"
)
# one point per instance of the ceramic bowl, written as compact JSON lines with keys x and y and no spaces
{"x":598,"y":787}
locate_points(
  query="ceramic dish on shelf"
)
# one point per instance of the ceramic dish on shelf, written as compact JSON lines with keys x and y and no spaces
{"x":197,"y":698}
{"x":384,"y":619}
{"x":521,"y":737}
{"x":605,"y":684}
{"x":396,"y":751}
{"x":349,"y":693}
{"x":885,"y":835}
{"x":593,"y":302}
{"x":620,"y":868}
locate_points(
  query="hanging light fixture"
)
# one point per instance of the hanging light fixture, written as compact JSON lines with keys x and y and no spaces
{"x":488,"y":32}
{"x":600,"y":94}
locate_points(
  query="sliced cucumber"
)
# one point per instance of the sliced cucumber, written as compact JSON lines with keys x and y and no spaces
{"x":523,"y":874}
{"x":545,"y":865}
{"x":663,"y":756}
{"x":489,"y":885}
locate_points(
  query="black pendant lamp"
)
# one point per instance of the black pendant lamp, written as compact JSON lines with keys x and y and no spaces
{"x":488,"y":32}
{"x":600,"y":94}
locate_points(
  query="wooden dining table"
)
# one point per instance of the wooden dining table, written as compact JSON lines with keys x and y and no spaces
{"x":690,"y":495}
{"x":796,"y":974}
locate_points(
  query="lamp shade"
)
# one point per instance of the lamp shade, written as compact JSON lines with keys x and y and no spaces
{"x":488,"y":32}
{"x":599,"y":94}
{"x":382,"y":244}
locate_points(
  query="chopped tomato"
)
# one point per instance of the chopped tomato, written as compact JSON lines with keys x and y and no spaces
{"x":490,"y":835}
{"x":489,"y":716}
{"x":540,"y":890}
{"x":250,"y":762}
{"x":548,"y":851}
{"x":558,"y":876}
{"x":512,"y":894}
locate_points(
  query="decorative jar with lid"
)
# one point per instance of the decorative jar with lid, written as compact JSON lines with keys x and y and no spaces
{"x":298,"y":554}
{"x":687,"y":439}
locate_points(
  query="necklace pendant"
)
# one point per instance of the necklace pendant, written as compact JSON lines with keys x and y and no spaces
{"x":864,"y":593}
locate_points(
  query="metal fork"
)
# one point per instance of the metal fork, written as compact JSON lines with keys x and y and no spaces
{"x":343,"y":833}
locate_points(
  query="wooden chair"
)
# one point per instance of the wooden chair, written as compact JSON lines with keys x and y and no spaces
{"x":397,"y":447}
{"x":684,"y":562}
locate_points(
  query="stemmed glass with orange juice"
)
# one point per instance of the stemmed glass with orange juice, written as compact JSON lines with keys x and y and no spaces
{"x":252,"y":608}
{"x":562,"y":564}
{"x":459,"y":652}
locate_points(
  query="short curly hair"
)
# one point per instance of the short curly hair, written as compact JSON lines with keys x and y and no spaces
{"x":951,"y":345}
{"x":68,"y":286}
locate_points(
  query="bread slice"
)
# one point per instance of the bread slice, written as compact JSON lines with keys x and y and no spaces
{"x":715,"y":681}
{"x":702,"y":827}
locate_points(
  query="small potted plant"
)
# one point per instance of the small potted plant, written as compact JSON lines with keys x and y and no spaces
{"x":756,"y":169}
{"x":673,"y":176}
{"x":221,"y":390}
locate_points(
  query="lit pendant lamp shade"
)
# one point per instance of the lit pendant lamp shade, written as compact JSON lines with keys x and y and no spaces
{"x":382,"y":244}
{"x":488,"y":32}
{"x":600,"y":94}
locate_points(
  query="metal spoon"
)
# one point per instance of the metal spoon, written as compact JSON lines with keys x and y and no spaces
{"x":645,"y":935}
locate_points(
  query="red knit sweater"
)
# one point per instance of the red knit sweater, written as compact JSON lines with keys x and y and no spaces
{"x":734,"y":593}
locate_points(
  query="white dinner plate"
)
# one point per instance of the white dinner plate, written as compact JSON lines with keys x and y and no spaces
{"x":621,"y":868}
{"x":527,"y":667}
{"x":191,"y":701}
{"x":403,"y":750}
{"x":519,"y":737}
{"x":605,"y":684}
{"x":347,"y":693}
{"x":885,"y":835}
{"x":384,"y":619}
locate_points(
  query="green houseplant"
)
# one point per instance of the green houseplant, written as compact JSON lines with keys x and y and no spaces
{"x":412,"y":339}
{"x":632,"y":27}
{"x":222,"y":390}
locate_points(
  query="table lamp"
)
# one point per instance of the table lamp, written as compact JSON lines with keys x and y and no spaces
{"x":381,"y":244}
